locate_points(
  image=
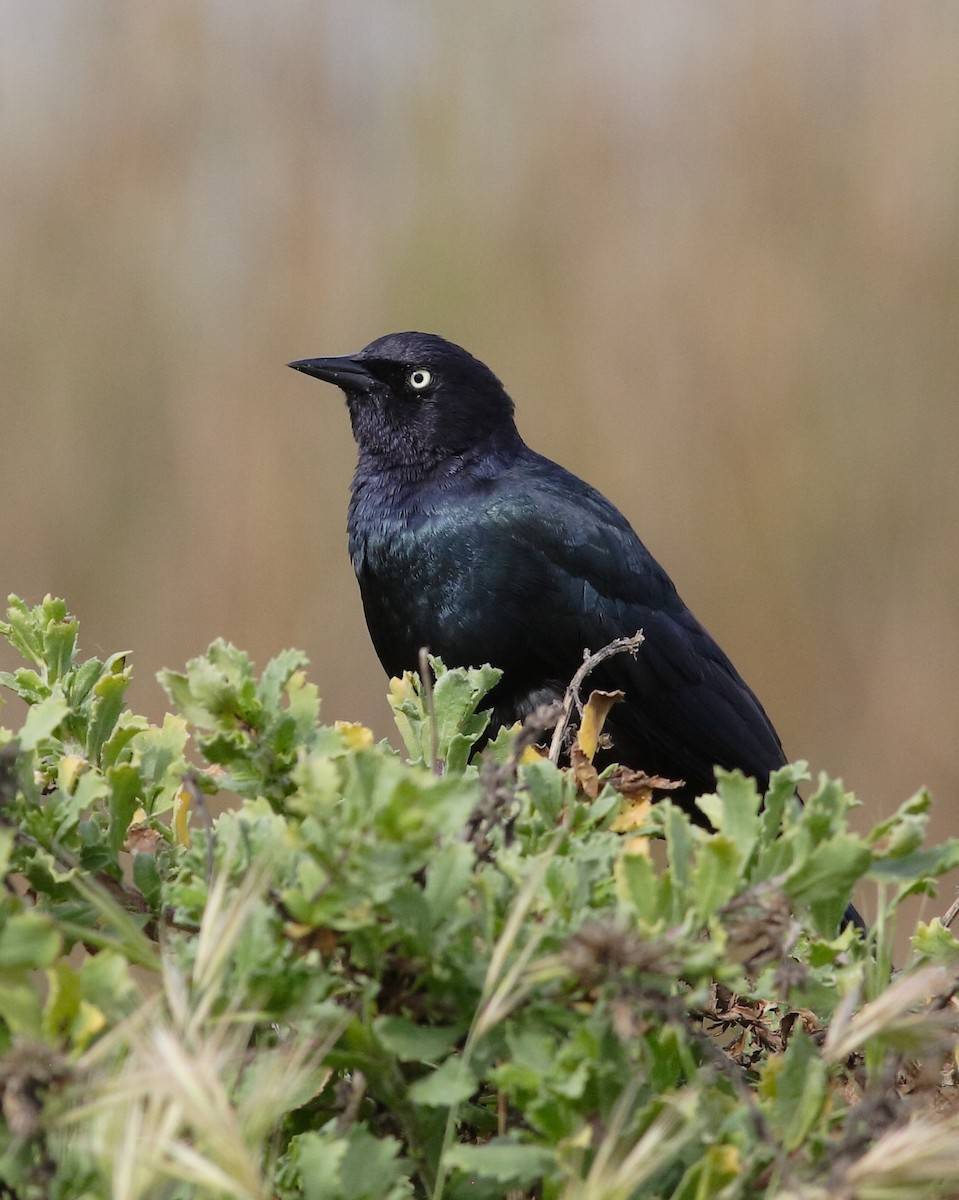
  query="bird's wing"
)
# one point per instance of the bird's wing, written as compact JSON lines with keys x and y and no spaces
{"x":687,"y":708}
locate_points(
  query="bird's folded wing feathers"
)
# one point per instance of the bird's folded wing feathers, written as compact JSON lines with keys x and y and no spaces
{"x":688,"y":703}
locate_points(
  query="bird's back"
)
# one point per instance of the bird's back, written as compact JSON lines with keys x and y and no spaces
{"x":513,"y":560}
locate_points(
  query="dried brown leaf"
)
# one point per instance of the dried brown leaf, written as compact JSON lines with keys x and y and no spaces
{"x":141,"y":839}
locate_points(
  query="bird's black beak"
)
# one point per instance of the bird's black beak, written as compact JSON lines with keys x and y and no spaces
{"x":347,"y":373}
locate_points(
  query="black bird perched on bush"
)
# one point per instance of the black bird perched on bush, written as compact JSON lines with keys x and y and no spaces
{"x":468,"y":542}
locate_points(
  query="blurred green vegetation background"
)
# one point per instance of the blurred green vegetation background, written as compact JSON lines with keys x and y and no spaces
{"x":712,"y":250}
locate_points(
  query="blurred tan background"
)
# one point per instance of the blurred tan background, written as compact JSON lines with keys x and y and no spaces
{"x":712,"y":249}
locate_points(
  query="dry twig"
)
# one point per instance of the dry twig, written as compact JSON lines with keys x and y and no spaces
{"x":623,"y":645}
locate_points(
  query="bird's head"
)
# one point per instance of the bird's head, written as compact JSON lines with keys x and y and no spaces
{"x":415,"y":398}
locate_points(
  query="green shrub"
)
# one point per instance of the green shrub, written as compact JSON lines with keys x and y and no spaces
{"x":446,"y":976}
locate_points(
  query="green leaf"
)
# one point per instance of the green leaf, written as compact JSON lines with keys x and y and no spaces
{"x":780,"y":795}
{"x":108,"y":694}
{"x":43,"y":719}
{"x":276,"y":675}
{"x":217,"y":691}
{"x":23,"y":629}
{"x":715,"y":877}
{"x":455,"y":750}
{"x":91,"y":789}
{"x":355,"y":1167}
{"x":928,"y":863}
{"x":177,"y":687}
{"x":550,"y":790}
{"x":456,"y":695}
{"x":117,"y":923}
{"x":416,"y":1043}
{"x":370,"y":1168}
{"x":936,"y":944}
{"x":27,"y":684}
{"x":106,"y":983}
{"x":80,"y":682}
{"x":28,"y":939}
{"x":126,"y":730}
{"x":680,"y":843}
{"x":303,"y":702}
{"x":638,"y":884}
{"x":449,"y":1084}
{"x":319,"y":1160}
{"x":20,"y":1006}
{"x":797,"y":1083}
{"x":826,"y":809}
{"x":720,"y":1166}
{"x":147,"y":878}
{"x":60,"y":644}
{"x":125,"y":788}
{"x":409,"y":714}
{"x":502,"y":1160}
{"x":158,"y":755}
{"x":825,"y":879}
{"x":63,"y":1000}
{"x":734,"y":810}
{"x":903,"y":832}
{"x":447,"y":877}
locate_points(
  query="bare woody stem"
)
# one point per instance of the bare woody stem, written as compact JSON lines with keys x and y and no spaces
{"x":623,"y":645}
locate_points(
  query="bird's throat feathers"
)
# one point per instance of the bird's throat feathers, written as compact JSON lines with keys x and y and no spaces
{"x":398,"y":455}
{"x":396,"y":492}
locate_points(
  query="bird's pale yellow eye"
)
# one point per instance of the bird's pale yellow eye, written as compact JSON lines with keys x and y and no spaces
{"x":420,"y":379}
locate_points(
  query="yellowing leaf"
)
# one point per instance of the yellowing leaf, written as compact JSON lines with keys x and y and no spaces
{"x":529,"y":754}
{"x":401,"y":688}
{"x":356,"y":736}
{"x":71,"y":766}
{"x":728,"y":1158}
{"x":312,"y":937}
{"x":88,"y":1023}
{"x":633,"y":814}
{"x":638,"y":791}
{"x":594,"y":718}
{"x":181,"y":816}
